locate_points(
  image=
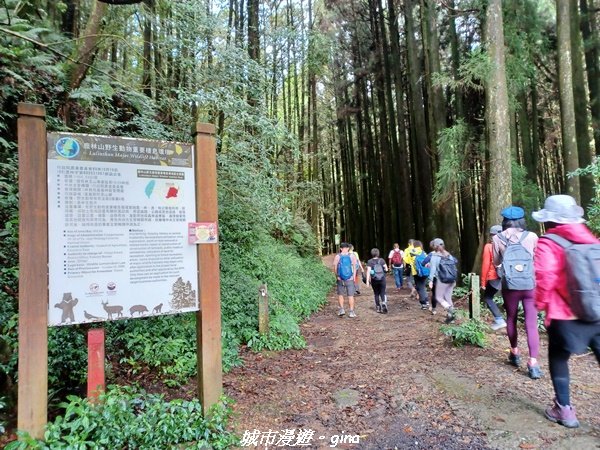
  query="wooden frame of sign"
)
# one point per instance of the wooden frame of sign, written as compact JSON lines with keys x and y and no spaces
{"x":33,"y":270}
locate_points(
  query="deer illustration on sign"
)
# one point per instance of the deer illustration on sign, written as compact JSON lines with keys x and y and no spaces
{"x":140,"y":309}
{"x":118,"y":310}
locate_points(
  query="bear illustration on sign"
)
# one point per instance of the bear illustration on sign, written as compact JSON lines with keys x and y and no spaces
{"x":157,"y":309}
{"x":67,"y":304}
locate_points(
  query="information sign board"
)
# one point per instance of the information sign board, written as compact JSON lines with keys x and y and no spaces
{"x":118,"y":213}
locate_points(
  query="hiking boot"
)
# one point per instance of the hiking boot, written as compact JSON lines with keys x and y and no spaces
{"x":352,"y":313}
{"x":562,"y":415}
{"x":534,"y":372}
{"x":498,"y":324}
{"x":384,"y":309}
{"x":514,"y":359}
{"x":450,"y":315}
{"x":341,"y":312}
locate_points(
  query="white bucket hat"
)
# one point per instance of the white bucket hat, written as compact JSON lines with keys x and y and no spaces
{"x":560,"y":209}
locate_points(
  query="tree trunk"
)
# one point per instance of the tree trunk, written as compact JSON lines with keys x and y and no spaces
{"x":401,"y":188}
{"x":525,"y":133}
{"x":147,"y":64}
{"x":497,"y":115}
{"x":584,"y":152}
{"x":592,"y":63}
{"x":445,"y":212}
{"x":567,"y":106}
{"x":422,"y":174}
{"x":70,"y":18}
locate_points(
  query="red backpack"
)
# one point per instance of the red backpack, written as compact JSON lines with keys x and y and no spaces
{"x":397,"y":258}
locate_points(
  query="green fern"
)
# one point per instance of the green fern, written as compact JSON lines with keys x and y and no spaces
{"x":471,"y":332}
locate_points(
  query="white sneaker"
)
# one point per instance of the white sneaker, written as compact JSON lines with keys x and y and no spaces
{"x":498,"y":325}
{"x":341,"y":312}
{"x":352,"y":313}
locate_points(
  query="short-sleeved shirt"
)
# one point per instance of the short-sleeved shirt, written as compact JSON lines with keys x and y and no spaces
{"x":372,"y":263}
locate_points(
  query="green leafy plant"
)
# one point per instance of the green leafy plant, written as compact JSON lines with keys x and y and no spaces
{"x":470,"y":332}
{"x":593,"y":210}
{"x":126,"y":418}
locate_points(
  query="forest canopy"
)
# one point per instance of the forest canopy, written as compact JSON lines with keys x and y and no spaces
{"x":374,"y":120}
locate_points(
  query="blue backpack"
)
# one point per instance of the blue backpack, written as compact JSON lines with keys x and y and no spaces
{"x":422,"y":270}
{"x":345,"y":267}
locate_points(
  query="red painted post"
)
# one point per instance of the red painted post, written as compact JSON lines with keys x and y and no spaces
{"x":96,"y":383}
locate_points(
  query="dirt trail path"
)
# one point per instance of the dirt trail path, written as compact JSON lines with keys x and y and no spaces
{"x":394,"y":381}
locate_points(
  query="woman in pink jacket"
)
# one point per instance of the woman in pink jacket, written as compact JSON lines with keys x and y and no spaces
{"x":566,"y":334}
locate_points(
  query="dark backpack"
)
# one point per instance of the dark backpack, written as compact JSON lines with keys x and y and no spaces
{"x":517,"y":265}
{"x":378,"y":273}
{"x":345,"y":267}
{"x":422,"y":270}
{"x":397,"y":259}
{"x":583,"y":277}
{"x":446,"y":269}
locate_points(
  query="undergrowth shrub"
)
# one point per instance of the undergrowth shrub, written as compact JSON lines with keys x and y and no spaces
{"x":469,"y":332}
{"x":126,"y":418}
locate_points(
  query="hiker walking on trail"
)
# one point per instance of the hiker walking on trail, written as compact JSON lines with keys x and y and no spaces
{"x":408,"y":270}
{"x":513,"y":251}
{"x":426,"y":261}
{"x":376,"y":278}
{"x":490,"y":282}
{"x":442,"y":272}
{"x":359,"y":270}
{"x":420,"y":272}
{"x":566,"y":259}
{"x":396,"y":262}
{"x":344,"y":266}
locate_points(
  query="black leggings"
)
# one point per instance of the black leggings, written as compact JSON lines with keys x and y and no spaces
{"x":488,"y":297}
{"x":565,"y":337}
{"x":379,"y":291}
{"x":420,"y":285}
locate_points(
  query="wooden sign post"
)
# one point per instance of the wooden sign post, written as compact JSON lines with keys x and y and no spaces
{"x":208,"y":318}
{"x":474,"y":305}
{"x":263,"y":309}
{"x":33,"y":270}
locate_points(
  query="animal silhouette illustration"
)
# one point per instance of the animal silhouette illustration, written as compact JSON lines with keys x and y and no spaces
{"x":67,"y":304}
{"x":157,"y":309}
{"x":88,"y":316}
{"x":118,"y":310}
{"x":140,"y":309}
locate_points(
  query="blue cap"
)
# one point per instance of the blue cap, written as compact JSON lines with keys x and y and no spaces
{"x":513,"y":213}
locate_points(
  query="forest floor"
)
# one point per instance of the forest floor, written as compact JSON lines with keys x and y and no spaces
{"x":396,"y":382}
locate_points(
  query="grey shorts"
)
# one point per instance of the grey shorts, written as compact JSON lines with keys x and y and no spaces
{"x":346,"y":287}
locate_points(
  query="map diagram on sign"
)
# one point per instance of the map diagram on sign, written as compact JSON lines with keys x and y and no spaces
{"x":169,"y":192}
{"x":172,"y":192}
{"x":150,"y":188}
